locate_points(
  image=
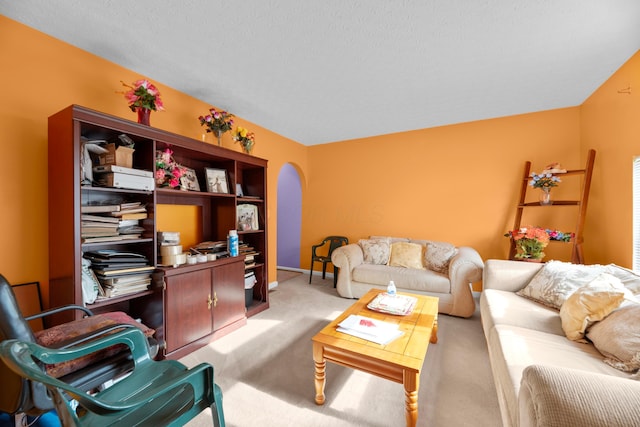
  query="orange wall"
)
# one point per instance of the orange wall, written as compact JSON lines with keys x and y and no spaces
{"x":41,"y":76}
{"x":610,"y":123}
{"x":455,"y":183}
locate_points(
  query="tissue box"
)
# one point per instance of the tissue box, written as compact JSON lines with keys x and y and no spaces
{"x":120,"y":156}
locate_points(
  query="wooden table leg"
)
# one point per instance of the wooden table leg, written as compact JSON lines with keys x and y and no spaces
{"x":411,"y":384}
{"x":320,"y":369}
{"x":434,"y":331}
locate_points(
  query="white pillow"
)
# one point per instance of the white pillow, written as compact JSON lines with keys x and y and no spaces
{"x":375,"y":251}
{"x":617,"y":337}
{"x":553,"y":284}
{"x":438,"y":255}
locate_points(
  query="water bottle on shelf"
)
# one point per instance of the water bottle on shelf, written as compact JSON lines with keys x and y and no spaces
{"x":391,"y":289}
{"x":232,"y":243}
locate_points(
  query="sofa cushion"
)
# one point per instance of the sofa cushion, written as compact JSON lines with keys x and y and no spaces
{"x":438,"y":255}
{"x":405,"y":279}
{"x":375,"y":251}
{"x":512,"y":349}
{"x":617,"y":337}
{"x":554,"y":282}
{"x":590,"y":304}
{"x":405,"y":254}
{"x":498,"y":307}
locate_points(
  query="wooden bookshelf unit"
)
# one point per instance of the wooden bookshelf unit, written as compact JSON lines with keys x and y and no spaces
{"x":188,"y":305}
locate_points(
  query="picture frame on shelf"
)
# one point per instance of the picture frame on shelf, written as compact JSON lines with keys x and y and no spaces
{"x":247,"y":215}
{"x":217,"y":180}
{"x":189,"y":180}
{"x":239,"y":191}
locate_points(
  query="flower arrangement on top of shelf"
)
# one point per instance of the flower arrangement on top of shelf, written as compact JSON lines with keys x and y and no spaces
{"x":143,"y":97}
{"x":246,"y":139}
{"x":217,"y":122}
{"x":546,"y":180}
{"x":168,"y":171}
{"x":531,"y":241}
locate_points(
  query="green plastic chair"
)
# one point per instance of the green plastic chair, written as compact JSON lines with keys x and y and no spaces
{"x":156,"y":393}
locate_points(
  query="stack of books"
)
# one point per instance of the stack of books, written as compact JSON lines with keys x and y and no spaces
{"x":219,"y":248}
{"x":112,"y":222}
{"x":119,"y":273}
{"x":249,"y":255}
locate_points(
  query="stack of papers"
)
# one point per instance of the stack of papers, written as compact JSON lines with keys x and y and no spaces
{"x":370,"y":329}
{"x":393,"y":304}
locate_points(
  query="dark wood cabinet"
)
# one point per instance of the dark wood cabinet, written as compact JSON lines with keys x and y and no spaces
{"x":187,"y":305}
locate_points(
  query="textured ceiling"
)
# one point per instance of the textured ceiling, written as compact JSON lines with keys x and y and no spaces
{"x":331,"y":70}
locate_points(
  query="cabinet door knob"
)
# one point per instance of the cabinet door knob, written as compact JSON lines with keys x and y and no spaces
{"x":215,"y":299}
{"x":209,"y":301}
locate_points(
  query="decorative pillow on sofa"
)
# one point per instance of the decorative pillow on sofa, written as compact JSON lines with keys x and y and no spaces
{"x":617,"y":337}
{"x":590,"y":304}
{"x":404,"y":254}
{"x":438,"y":255}
{"x":629,"y":279}
{"x":375,"y":251}
{"x":553,"y":284}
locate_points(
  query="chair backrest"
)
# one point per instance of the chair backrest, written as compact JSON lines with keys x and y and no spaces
{"x":335,"y":242}
{"x":17,"y":394}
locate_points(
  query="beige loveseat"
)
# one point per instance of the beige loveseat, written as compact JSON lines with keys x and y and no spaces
{"x":544,"y":379}
{"x":440,"y":270}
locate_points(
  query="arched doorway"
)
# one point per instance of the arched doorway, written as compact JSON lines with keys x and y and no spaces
{"x":289,"y":218}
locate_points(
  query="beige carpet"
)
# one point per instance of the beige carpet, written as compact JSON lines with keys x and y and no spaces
{"x":265,"y":370}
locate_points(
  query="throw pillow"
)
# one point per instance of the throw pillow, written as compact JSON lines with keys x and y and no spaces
{"x":628,"y":278}
{"x":438,"y":255}
{"x":404,"y":254}
{"x":375,"y":251}
{"x":589,"y":304}
{"x":617,"y":337}
{"x":553,"y":284}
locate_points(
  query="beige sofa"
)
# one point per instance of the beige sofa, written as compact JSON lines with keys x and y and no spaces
{"x":452,"y":284}
{"x":542,"y":378}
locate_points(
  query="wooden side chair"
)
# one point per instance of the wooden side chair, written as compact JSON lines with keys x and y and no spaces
{"x":328,"y":245}
{"x":155,"y":393}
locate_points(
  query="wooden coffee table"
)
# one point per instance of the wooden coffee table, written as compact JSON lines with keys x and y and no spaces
{"x":399,"y":361}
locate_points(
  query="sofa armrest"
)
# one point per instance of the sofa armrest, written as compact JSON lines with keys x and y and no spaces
{"x":558,"y":397}
{"x":464,"y":268}
{"x":507,"y":275}
{"x":346,"y":258}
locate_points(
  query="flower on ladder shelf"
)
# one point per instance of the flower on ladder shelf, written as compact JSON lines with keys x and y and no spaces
{"x":143,"y":94}
{"x":544,"y":180}
{"x":168,"y":171}
{"x":530,"y":242}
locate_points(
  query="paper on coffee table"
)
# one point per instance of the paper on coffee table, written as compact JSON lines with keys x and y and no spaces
{"x":369,"y":329}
